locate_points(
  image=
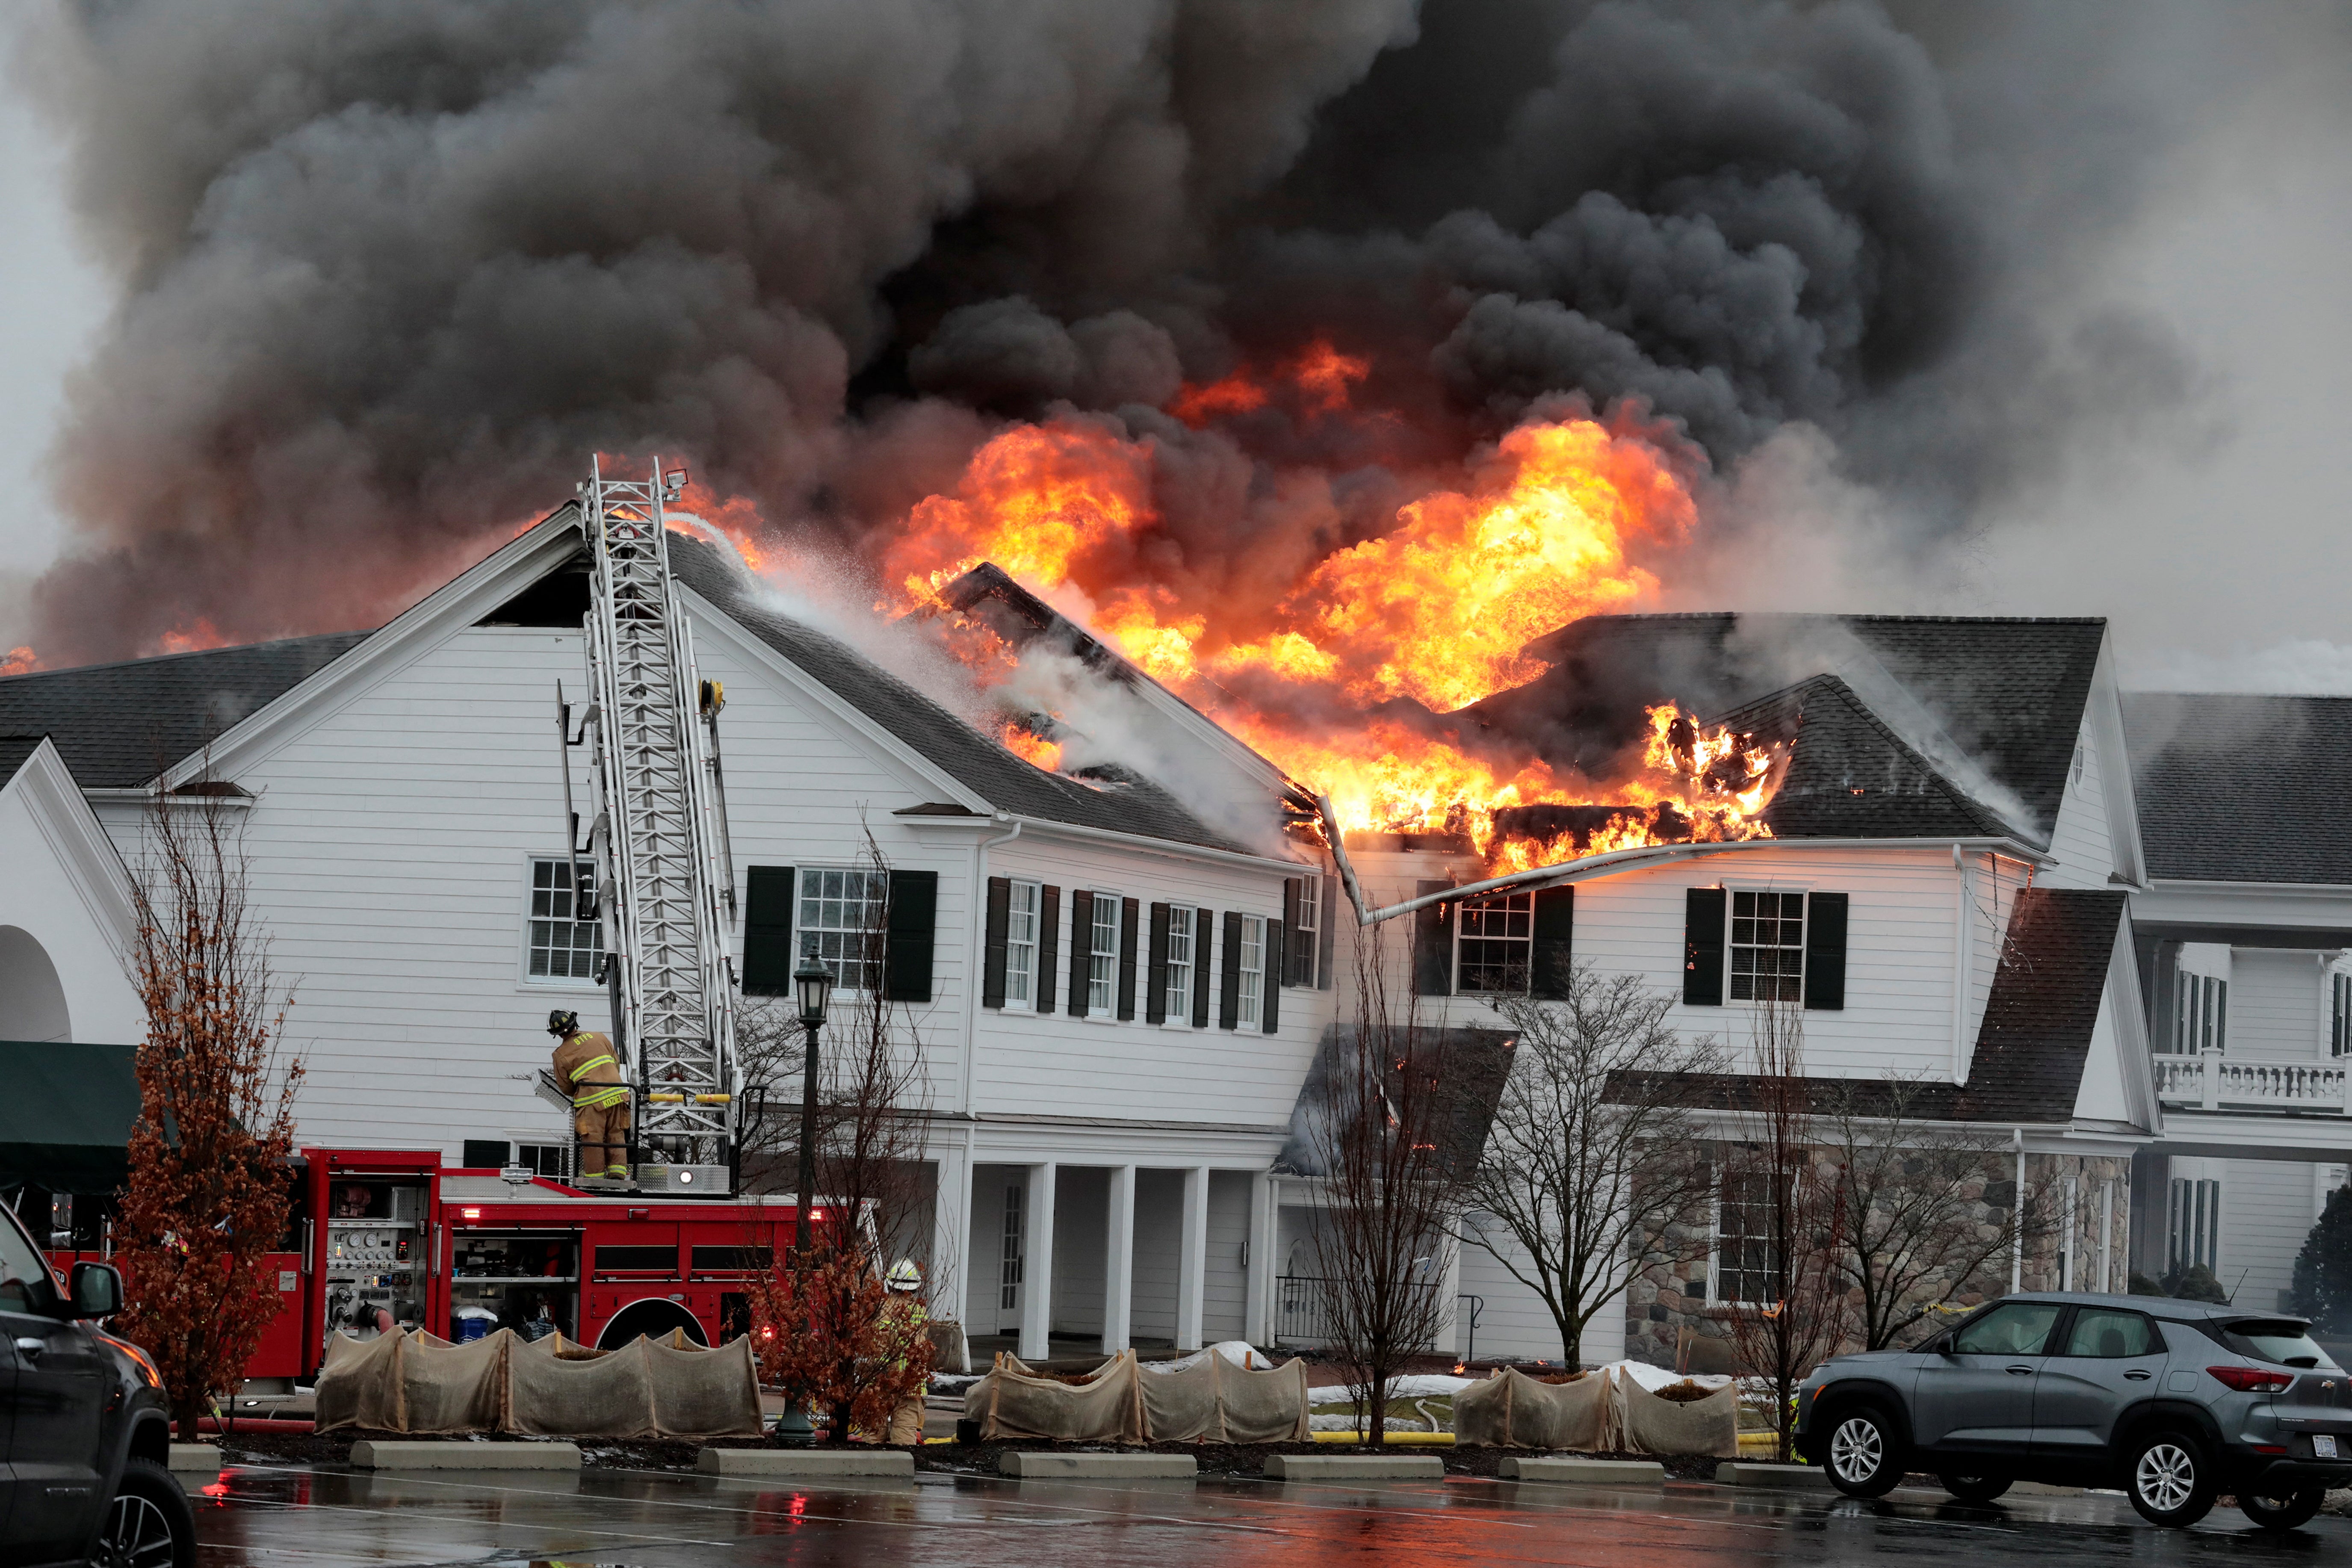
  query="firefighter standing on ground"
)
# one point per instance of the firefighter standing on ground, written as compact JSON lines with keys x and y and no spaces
{"x":585,"y":1066}
{"x":905,"y":1314}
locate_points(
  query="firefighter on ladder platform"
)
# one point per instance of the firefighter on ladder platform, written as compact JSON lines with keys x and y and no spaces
{"x":585,"y":1066}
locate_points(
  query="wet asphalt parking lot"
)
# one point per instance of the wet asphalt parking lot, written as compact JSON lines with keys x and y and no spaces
{"x":306,"y":1519}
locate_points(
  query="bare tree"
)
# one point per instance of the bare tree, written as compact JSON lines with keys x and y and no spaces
{"x":1777,"y":1261}
{"x":207,"y":1195}
{"x":1913,"y":1221}
{"x":1388,"y":1138}
{"x":1595,"y":1168}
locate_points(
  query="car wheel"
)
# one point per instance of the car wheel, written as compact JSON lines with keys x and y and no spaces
{"x":1975,"y":1489}
{"x":149,"y":1524}
{"x":1865,"y":1458}
{"x":2170,"y":1481}
{"x":2283,"y":1512}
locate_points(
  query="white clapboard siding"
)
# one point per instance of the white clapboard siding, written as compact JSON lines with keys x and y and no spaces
{"x":1081,"y":1216}
{"x":2276,"y":1001}
{"x":1225,"y":1287}
{"x":1030,"y":1063}
{"x":2266,"y":1211}
{"x":2081,"y":840}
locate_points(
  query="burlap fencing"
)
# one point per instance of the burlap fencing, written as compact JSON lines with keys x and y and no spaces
{"x":552,"y":1387}
{"x":1104,"y":1406}
{"x":1216,"y":1401}
{"x":1606,"y":1411}
{"x":1648,"y":1424}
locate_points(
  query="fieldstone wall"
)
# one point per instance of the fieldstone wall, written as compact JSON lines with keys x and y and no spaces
{"x":1665,"y":1300}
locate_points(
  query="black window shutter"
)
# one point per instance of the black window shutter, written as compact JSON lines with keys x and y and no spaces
{"x":914,"y":930}
{"x":1049,"y":944}
{"x":1269,"y":1007}
{"x":768,"y":932}
{"x":1155,"y":977}
{"x":1130,"y":917}
{"x":1000,"y":919}
{"x":1825,"y":952}
{"x":1703,"y":947}
{"x":1294,"y":890}
{"x":1551,"y":957}
{"x":1229,"y":1012}
{"x":1330,"y":933}
{"x":1082,"y":945}
{"x":1432,"y":943}
{"x":1205,"y":933}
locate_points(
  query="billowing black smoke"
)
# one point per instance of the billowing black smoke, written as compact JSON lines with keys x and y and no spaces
{"x":390,"y":271}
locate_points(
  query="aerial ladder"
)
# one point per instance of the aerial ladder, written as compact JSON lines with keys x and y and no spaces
{"x":663,"y":891}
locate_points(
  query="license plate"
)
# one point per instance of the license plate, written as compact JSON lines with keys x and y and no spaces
{"x":2323,"y":1448}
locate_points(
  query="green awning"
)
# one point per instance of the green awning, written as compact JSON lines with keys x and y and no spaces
{"x":66,"y":1113}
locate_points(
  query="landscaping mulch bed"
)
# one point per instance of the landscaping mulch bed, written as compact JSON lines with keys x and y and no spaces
{"x":1242,"y":1460}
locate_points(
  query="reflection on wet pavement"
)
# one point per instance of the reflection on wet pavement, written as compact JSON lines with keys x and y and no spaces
{"x":648,"y":1520}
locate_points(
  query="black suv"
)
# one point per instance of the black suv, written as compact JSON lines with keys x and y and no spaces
{"x":2175,"y":1402}
{"x":82,"y":1425}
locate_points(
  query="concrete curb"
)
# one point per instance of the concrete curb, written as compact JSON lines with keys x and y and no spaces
{"x":1745,"y":1473}
{"x":1354,"y":1467}
{"x":1584,"y":1472}
{"x":1031,"y":1466}
{"x":195,"y":1456}
{"x":370,"y":1455}
{"x":809,"y":1462}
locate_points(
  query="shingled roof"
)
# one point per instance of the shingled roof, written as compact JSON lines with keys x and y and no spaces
{"x":1119,"y":804}
{"x":119,"y":725}
{"x":1850,"y":776}
{"x":2237,"y":788}
{"x":2001,"y":697}
{"x":2030,"y":1049}
{"x":14,"y":751}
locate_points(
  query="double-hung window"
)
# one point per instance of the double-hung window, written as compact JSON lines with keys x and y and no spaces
{"x":1306,"y":953}
{"x":1022,"y":904}
{"x":1102,"y":957}
{"x":1746,"y":1256}
{"x":2202,"y":1021}
{"x":2339,"y":1016}
{"x":1251,"y":964}
{"x":842,"y":915}
{"x":1767,"y":947}
{"x":562,"y":947}
{"x":1178,"y":997}
{"x":2195,"y":1223}
{"x":1497,"y":944}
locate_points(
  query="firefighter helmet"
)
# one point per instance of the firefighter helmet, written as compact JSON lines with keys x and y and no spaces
{"x":904,"y":1276}
{"x":562,"y":1025}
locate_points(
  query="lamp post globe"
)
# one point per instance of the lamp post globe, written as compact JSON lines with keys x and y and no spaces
{"x":813,"y":984}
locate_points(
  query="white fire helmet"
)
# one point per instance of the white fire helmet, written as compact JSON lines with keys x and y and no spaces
{"x":904,"y":1276}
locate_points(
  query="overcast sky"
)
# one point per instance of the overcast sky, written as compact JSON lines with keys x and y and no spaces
{"x":2224,"y":560}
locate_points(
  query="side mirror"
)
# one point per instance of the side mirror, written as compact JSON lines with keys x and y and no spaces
{"x":94,"y":1291}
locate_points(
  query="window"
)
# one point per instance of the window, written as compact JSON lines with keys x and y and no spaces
{"x":2111,"y":1335}
{"x":1767,"y":947}
{"x":841,"y":924}
{"x":1179,"y":994}
{"x":2014,"y":1328}
{"x":1024,"y":900}
{"x":1102,"y":957}
{"x":562,"y":947}
{"x":2195,"y":1230}
{"x":2203,"y":1021}
{"x":2339,"y":1017}
{"x":1495,"y":941}
{"x":545,"y":1159}
{"x":1008,"y":1273}
{"x":1746,"y":1257}
{"x":1252,"y":968}
{"x":1307,"y":941}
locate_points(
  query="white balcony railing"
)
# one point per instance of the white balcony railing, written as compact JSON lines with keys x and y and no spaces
{"x":2212,"y":1081}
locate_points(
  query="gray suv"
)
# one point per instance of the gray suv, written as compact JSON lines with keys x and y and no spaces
{"x":2175,"y":1402}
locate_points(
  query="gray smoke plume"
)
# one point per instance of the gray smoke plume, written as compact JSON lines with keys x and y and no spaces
{"x":388,"y":272}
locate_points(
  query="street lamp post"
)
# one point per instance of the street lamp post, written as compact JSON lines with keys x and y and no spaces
{"x":812,"y":982}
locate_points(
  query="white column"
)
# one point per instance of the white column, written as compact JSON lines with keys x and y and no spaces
{"x":1038,"y":1264}
{"x":2106,"y":1235}
{"x":951,"y":1235}
{"x":1257,"y":1284}
{"x":1118,"y":1261}
{"x":1448,"y":1338}
{"x":1192,"y":1259}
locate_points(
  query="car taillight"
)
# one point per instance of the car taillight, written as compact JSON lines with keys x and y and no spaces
{"x":2254,"y":1380}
